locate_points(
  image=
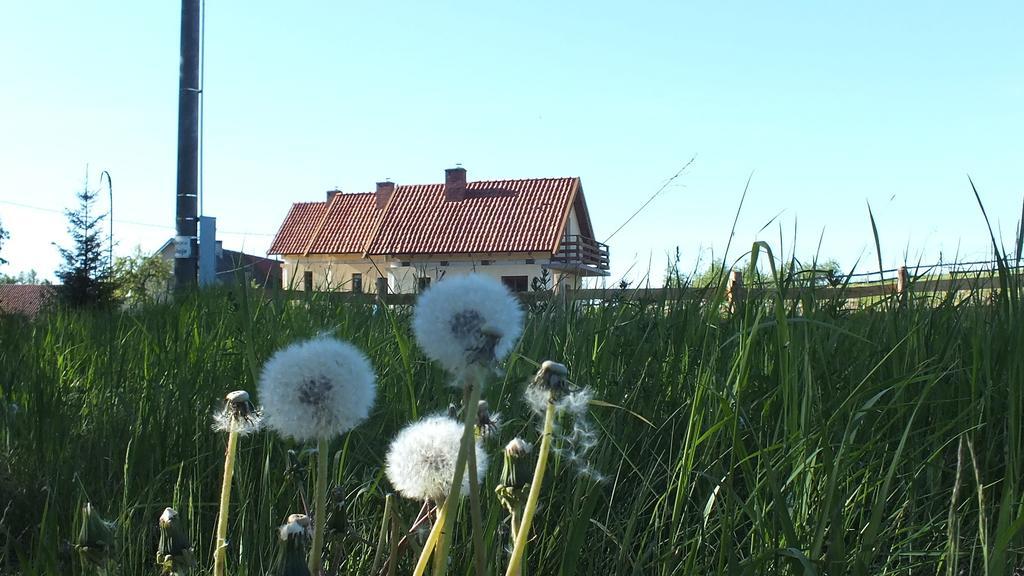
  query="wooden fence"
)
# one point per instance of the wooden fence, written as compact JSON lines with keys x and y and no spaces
{"x":902,"y":285}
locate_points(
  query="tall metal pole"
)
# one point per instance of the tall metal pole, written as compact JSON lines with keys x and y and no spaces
{"x":186,"y":216}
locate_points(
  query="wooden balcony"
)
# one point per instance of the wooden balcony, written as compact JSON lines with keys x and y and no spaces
{"x":581,"y":255}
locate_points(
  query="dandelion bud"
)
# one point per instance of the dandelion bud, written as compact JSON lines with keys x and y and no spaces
{"x":518,"y":467}
{"x":296,"y":468}
{"x":337,"y":512}
{"x":487,"y":424}
{"x":294,"y":536}
{"x":174,"y":553}
{"x":95,"y":538}
{"x":238,"y":415}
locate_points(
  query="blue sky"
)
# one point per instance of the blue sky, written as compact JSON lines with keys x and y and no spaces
{"x":830,"y":105}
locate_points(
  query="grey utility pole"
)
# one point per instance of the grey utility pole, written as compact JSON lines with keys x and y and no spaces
{"x":186,"y":217}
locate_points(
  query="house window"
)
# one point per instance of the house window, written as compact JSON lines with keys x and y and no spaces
{"x":405,"y":264}
{"x":529,"y":260}
{"x":516,"y":283}
{"x":357,"y":282}
{"x":422,"y":283}
{"x":444,"y":262}
{"x":307,"y":280}
{"x":485,"y":262}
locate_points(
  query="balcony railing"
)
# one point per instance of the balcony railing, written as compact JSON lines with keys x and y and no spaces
{"x":582,"y":255}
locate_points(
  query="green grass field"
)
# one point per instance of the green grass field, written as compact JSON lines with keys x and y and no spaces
{"x":792,"y":437}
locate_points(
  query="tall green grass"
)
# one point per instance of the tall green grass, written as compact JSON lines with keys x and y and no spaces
{"x":793,"y":436}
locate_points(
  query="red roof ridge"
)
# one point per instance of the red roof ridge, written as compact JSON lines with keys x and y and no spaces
{"x":340,"y":193}
{"x":319,"y":227}
{"x":492,"y":181}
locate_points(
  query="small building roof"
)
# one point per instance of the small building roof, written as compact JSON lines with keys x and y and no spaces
{"x":24,"y":299}
{"x":491,"y":216}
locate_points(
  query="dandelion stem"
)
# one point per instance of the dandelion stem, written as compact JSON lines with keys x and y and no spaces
{"x":474,"y":511}
{"x":428,"y":546}
{"x":393,"y":548}
{"x":220,"y":552}
{"x":471,"y":399}
{"x":515,"y":563}
{"x":385,"y":524}
{"x":320,"y":509}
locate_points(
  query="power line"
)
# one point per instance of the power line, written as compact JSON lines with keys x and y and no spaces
{"x":132,"y":222}
{"x":651,"y":199}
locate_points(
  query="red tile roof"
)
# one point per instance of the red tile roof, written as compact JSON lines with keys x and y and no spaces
{"x":294,"y":235}
{"x":494,"y":216}
{"x":24,"y":299}
{"x":351,"y":219}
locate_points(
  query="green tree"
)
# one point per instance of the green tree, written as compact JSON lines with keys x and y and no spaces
{"x":3,"y":236}
{"x":30,"y":277}
{"x":85,"y":274}
{"x":141,"y":278}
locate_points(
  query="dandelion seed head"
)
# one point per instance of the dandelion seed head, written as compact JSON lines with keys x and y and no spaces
{"x":551,"y":387}
{"x":238,"y":415}
{"x":421,"y":459}
{"x":317,"y":389}
{"x":470,"y":320}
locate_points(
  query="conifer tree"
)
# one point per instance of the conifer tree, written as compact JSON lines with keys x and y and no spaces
{"x":3,"y":236}
{"x":85,"y":274}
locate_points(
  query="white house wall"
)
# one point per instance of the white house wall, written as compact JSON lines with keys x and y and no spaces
{"x":404,"y":279}
{"x":330,"y":273}
{"x":572,"y":226}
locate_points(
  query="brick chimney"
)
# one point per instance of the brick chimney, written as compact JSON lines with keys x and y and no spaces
{"x":454,"y":184}
{"x":331,"y":193}
{"x":384,"y":190}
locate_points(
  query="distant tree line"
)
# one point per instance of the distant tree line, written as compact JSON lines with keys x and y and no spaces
{"x":792,"y":273}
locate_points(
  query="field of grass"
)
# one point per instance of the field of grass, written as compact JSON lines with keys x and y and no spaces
{"x":792,"y":437}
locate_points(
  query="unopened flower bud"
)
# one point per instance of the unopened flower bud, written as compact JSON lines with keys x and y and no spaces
{"x":337,"y":513}
{"x":174,"y":553}
{"x":95,"y":538}
{"x":487,"y":424}
{"x":516,"y":472}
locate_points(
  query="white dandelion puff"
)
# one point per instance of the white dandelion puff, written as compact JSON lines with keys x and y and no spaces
{"x":470,"y":320}
{"x":421,"y":459}
{"x":317,"y":389}
{"x":238,"y":415}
